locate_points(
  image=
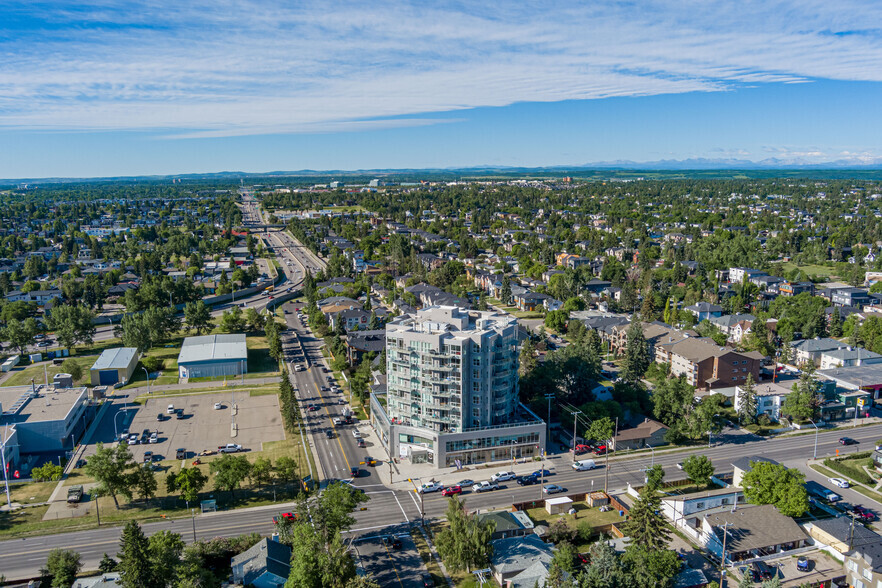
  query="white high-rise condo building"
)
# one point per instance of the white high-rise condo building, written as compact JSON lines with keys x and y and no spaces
{"x":452,"y":389}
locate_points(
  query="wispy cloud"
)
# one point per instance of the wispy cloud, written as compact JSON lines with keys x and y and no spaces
{"x":234,"y":67}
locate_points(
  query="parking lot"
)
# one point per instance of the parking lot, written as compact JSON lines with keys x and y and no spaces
{"x":203,"y":426}
{"x":390,"y":566}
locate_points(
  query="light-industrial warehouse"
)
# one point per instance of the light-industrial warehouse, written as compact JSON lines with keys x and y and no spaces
{"x":211,"y":356}
{"x":114,"y":366}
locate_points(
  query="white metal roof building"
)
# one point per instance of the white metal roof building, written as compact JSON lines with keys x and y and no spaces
{"x":212,"y":356}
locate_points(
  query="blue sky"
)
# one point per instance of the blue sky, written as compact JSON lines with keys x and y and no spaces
{"x":115,"y":87}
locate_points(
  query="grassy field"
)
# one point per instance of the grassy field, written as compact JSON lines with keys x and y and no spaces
{"x":23,"y":377}
{"x":811,"y":269}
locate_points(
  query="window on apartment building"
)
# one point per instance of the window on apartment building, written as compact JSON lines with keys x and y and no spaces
{"x":699,"y":505}
{"x":476,"y":412}
{"x":867,"y":573}
{"x":476,"y":374}
{"x":476,"y":361}
{"x":851,"y":565}
{"x":859,"y":584}
{"x":476,"y":386}
{"x":734,"y":378}
{"x":476,"y":400}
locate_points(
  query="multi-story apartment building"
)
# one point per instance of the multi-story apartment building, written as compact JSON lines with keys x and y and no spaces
{"x":706,"y":365}
{"x":452,"y":389}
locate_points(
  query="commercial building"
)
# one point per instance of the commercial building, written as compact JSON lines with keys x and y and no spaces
{"x":452,"y":389}
{"x":212,"y":356}
{"x":114,"y":366}
{"x":41,"y":421}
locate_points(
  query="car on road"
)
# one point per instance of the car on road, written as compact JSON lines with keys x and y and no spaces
{"x":324,"y":389}
{"x":359,"y":442}
{"x":341,"y":401}
{"x":451,"y":491}
{"x":583,"y":465}
{"x":528,"y":480}
{"x":502,"y":476}
{"x":465,"y":483}
{"x":485,"y":486}
{"x":370,"y":461}
{"x":356,"y":433}
{"x":432,"y":486}
{"x":298,"y":368}
{"x":170,"y":409}
{"x":353,"y":471}
{"x":847,"y":441}
{"x":285,"y":516}
{"x":552,"y":489}
{"x":181,"y":453}
{"x":838,"y":482}
{"x":44,"y":344}
{"x":312,"y":408}
{"x":160,"y":417}
{"x":392,"y":542}
{"x":336,"y":420}
{"x":329,"y":434}
{"x":427,"y":580}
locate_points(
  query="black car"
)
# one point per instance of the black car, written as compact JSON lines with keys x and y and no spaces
{"x":179,"y":414}
{"x":181,"y":453}
{"x":393,"y":542}
{"x":329,"y":434}
{"x":528,"y":480}
{"x":847,"y":441}
{"x":353,"y":471}
{"x":761,"y":571}
{"x":428,"y":582}
{"x":160,"y":417}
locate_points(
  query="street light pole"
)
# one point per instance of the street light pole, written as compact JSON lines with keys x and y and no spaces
{"x":146,"y":373}
{"x":115,"y":431}
{"x":815,"y":454}
{"x":193,"y":518}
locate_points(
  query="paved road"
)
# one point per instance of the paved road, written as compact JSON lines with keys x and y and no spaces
{"x":390,"y":507}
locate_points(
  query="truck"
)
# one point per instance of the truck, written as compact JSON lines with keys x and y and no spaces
{"x":74,"y":494}
{"x":819,"y":491}
{"x":230,"y":448}
{"x":485,"y":486}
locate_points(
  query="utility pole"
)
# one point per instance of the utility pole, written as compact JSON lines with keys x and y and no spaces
{"x":576,"y":414}
{"x":606,"y":469}
{"x":548,"y":397}
{"x":193,"y":518}
{"x":723,"y":558}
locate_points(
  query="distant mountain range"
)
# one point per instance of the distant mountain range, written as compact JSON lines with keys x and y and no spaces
{"x":667,"y":165}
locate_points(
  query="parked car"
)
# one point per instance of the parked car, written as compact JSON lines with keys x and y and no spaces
{"x":179,"y":414}
{"x":802,"y":564}
{"x":148,"y":456}
{"x":133,"y":439}
{"x":502,"y":476}
{"x":230,"y":448}
{"x":356,"y":433}
{"x":218,"y":406}
{"x":181,"y":453}
{"x":761,"y":570}
{"x":160,"y":417}
{"x":485,"y":486}
{"x":552,"y":489}
{"x":847,"y":441}
{"x":451,"y":491}
{"x":582,"y":449}
{"x":838,"y":482}
{"x":432,"y":486}
{"x":154,"y":437}
{"x":336,"y":420}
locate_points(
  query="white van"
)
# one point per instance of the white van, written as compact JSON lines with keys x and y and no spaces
{"x":585,"y":464}
{"x":170,"y":409}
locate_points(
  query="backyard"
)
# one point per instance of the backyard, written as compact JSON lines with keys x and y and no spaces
{"x":47,"y":370}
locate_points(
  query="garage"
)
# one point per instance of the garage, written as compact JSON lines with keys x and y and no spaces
{"x":114,"y":366}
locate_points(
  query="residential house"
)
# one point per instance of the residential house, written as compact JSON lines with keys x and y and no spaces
{"x":513,"y":555}
{"x":551,"y":304}
{"x":858,"y":297}
{"x":841,"y":534}
{"x":351,"y":318}
{"x":530,"y":301}
{"x":769,"y":398}
{"x":737,"y":275}
{"x":649,"y":433}
{"x":726,"y":323}
{"x":686,"y":511}
{"x":764,"y":282}
{"x":795,"y":288}
{"x":741,"y":329}
{"x":705,"y":310}
{"x":811,"y":349}
{"x":360,"y":342}
{"x":596,"y":286}
{"x":863,"y":566}
{"x":751,"y":531}
{"x":266,"y":564}
{"x":848,"y":357}
{"x":507,"y":523}
{"x":742,"y":465}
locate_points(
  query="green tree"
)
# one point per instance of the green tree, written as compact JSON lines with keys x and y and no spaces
{"x":601,"y":429}
{"x":229,"y":472}
{"x":254,"y":319}
{"x":48,"y":472}
{"x":465,"y":543}
{"x":803,"y":401}
{"x":649,"y":568}
{"x":836,"y":322}
{"x":637,"y":359}
{"x":232,"y":320}
{"x":747,"y":401}
{"x":565,"y":556}
{"x":190,"y":482}
{"x":143,"y":481}
{"x":134,"y":558}
{"x":261,"y":471}
{"x":772,"y":483}
{"x":71,"y":324}
{"x":286,"y":469}
{"x":198,"y":316}
{"x":646,"y":525}
{"x":332,"y":512}
{"x":107,"y":564}
{"x":164,"y":549}
{"x":109,"y":468}
{"x":672,"y":399}
{"x":557,"y":320}
{"x":20,"y":334}
{"x":699,"y":469}
{"x":505,"y":291}
{"x":62,"y":567}
{"x":72,"y":367}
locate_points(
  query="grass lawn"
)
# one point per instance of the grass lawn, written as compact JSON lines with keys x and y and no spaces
{"x":811,"y":269}
{"x":23,"y":377}
{"x":31,"y":492}
{"x":584,"y":515}
{"x":428,"y":560}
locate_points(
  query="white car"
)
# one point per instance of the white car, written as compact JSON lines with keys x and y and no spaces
{"x":502,"y":476}
{"x":839,"y":482}
{"x":336,"y":420}
{"x":485,"y":486}
{"x":218,"y":406}
{"x":430,"y":487}
{"x":356,"y":433}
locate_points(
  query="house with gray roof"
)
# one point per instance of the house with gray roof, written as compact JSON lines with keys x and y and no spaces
{"x":727,"y":323}
{"x":513,"y":555}
{"x":848,"y":357}
{"x":811,"y":349}
{"x":267,"y":564}
{"x":705,"y":310}
{"x":751,"y":531}
{"x":742,"y":465}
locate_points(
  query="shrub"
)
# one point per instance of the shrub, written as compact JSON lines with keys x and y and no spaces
{"x":153,"y":364}
{"x":849,"y":471}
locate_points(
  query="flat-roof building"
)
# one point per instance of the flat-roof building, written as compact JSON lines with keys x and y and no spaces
{"x":211,"y":356}
{"x":114,"y":366}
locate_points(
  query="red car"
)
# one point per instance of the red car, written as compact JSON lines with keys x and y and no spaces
{"x":582,"y":449}
{"x":285,"y":516}
{"x":600,"y":450}
{"x":451,"y":490}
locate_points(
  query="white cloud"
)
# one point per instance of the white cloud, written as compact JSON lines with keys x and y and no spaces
{"x":233,"y":67}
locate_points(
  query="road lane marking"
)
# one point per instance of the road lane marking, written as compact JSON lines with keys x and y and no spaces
{"x":333,"y":426}
{"x":401,"y":507}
